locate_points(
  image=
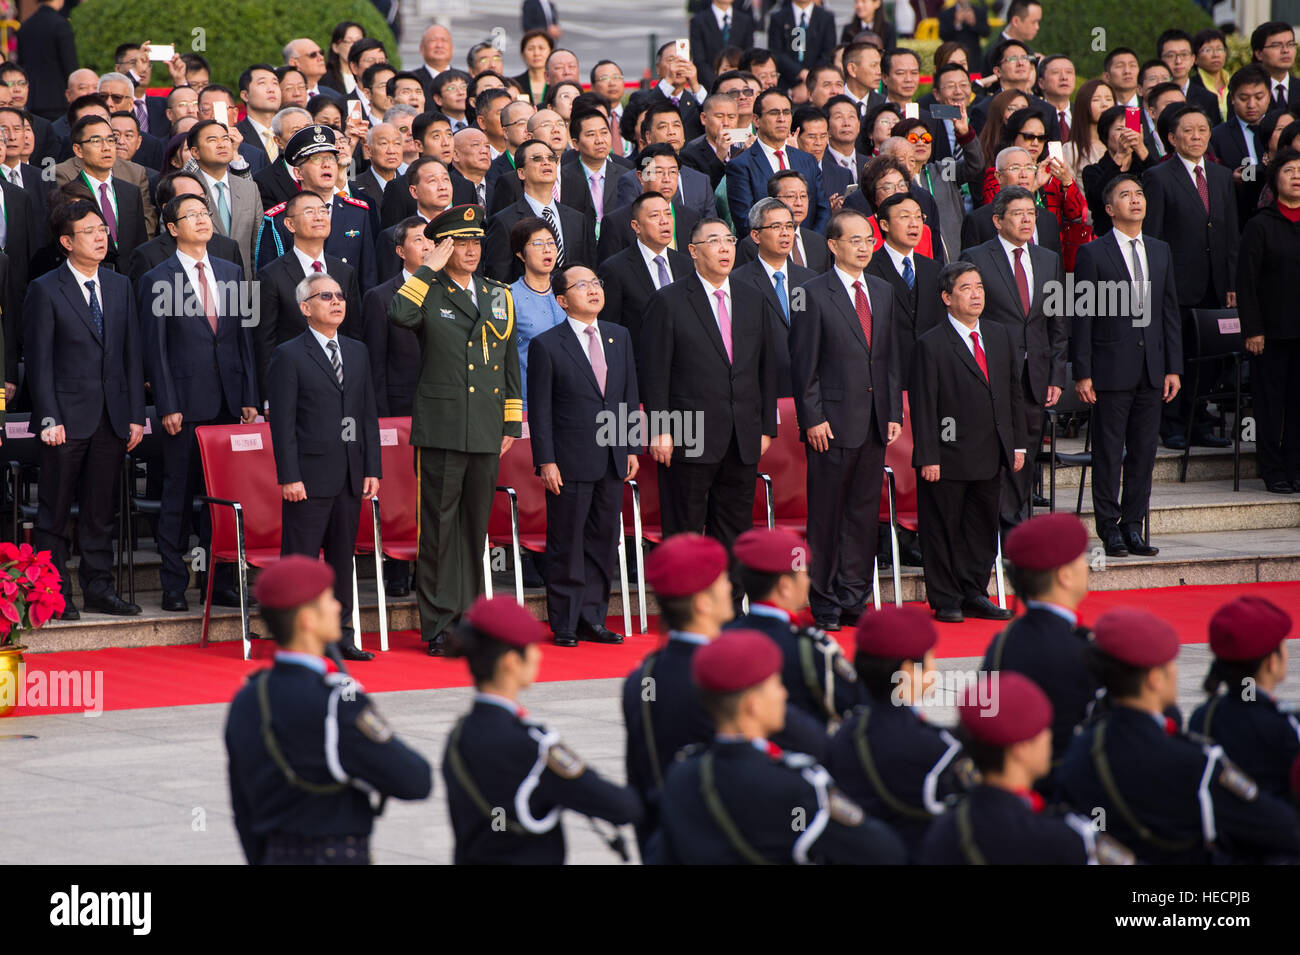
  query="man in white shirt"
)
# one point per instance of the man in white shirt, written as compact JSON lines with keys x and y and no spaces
{"x":235,"y":202}
{"x":1121,"y":72}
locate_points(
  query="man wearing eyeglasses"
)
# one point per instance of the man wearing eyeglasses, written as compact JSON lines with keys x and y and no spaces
{"x":748,"y":173}
{"x":235,"y":201}
{"x":1014,"y":68}
{"x":119,"y":202}
{"x":325,"y":432}
{"x":47,"y":140}
{"x":1273,"y":47}
{"x":514,"y":118}
{"x":659,"y":173}
{"x":71,"y":169}
{"x":304,"y":54}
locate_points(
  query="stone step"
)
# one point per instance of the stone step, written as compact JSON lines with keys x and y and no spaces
{"x":1206,"y":464}
{"x":1206,"y":506}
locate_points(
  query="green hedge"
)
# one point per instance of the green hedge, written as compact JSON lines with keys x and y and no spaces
{"x":1069,"y":28}
{"x":230,"y":34}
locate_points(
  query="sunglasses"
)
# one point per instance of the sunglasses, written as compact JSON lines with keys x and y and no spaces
{"x":329,"y":296}
{"x":919,"y":137}
{"x":1033,"y":137}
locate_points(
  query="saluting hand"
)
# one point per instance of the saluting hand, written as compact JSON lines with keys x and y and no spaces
{"x":439,"y":255}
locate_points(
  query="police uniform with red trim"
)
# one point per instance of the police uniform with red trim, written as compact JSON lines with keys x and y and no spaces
{"x":739,"y":800}
{"x":311,"y":761}
{"x":1171,"y":798}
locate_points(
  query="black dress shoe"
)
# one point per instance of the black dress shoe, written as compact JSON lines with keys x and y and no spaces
{"x":985,"y":609}
{"x":830,"y":625}
{"x":349,"y":652}
{"x":1206,"y":440}
{"x":438,"y":646}
{"x":174,"y":600}
{"x":70,"y":611}
{"x":1114,"y":545}
{"x":596,"y":633}
{"x":910,"y":555}
{"x":1137,"y":546}
{"x":948,"y":615}
{"x":850,"y":618}
{"x":113,"y":604}
{"x":226,"y":597}
{"x":402,"y":589}
{"x":565,"y":639}
{"x":1281,"y":487}
{"x":1175,"y":442}
{"x":1040,"y":501}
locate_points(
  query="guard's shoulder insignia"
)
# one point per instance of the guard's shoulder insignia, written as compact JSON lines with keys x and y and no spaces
{"x":1287,"y":707}
{"x":360,"y":203}
{"x":689,"y":750}
{"x":564,"y":762}
{"x":373,"y":726}
{"x":1110,"y":851}
{"x":275,"y":210}
{"x":1237,"y":782}
{"x":843,"y":809}
{"x":844,"y":669}
{"x":797,"y":760}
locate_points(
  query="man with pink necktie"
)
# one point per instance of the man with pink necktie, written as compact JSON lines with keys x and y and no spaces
{"x":708,"y":373}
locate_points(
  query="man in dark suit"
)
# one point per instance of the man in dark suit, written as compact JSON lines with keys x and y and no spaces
{"x":1191,"y":206}
{"x":25,"y":176}
{"x":772,"y":230}
{"x":538,"y":167}
{"x":194,"y":311}
{"x":275,"y":181}
{"x":676,"y":86}
{"x":812,"y":44}
{"x":1174,"y":47}
{"x":158,"y":250}
{"x":17,"y":236}
{"x":1236,"y":142}
{"x":708,"y":374}
{"x":1021,"y":293}
{"x":809,"y":248}
{"x":260,"y":92}
{"x":119,"y":202}
{"x":1126,"y":361}
{"x":914,"y":278}
{"x":708,"y":153}
{"x":659,"y":175}
{"x":643,"y":267}
{"x":1272,"y":46}
{"x":1015,"y":169}
{"x":86,"y":376}
{"x":47,"y":51}
{"x":581,"y":382}
{"x":748,"y":173}
{"x":540,"y":15}
{"x":471,"y":158}
{"x":661,"y":124}
{"x":589,"y":174}
{"x":1013,"y":65}
{"x":318,"y":379}
{"x":716,"y":26}
{"x":967,"y":426}
{"x":844,"y":357}
{"x":307,"y":219}
{"x":965,"y":22}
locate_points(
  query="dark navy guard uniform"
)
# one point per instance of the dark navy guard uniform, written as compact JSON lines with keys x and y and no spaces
{"x":508,"y":781}
{"x":350,"y":238}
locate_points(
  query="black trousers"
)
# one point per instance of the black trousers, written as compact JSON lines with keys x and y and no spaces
{"x":94,"y":463}
{"x":581,"y":550}
{"x":455,"y":490}
{"x":329,"y":524}
{"x":182,"y":479}
{"x":1018,"y":486}
{"x":843,"y":514}
{"x":1124,"y":429}
{"x":958,"y":525}
{"x":716,"y":499}
{"x":1276,"y":379}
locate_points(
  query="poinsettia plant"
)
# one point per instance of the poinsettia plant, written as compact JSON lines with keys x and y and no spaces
{"x":29,"y":590}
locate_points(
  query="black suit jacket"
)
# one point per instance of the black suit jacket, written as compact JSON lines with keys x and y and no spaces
{"x":628,"y":286}
{"x":368,"y":183}
{"x":157,"y":251}
{"x":1228,"y":142}
{"x":566,"y":405}
{"x":818,"y":45}
{"x":969,"y":37}
{"x":684,"y":368}
{"x":639,"y":101}
{"x":816,"y":255}
{"x":309,"y":403}
{"x":48,"y":53}
{"x":48,"y":142}
{"x":398,"y":203}
{"x":919,"y":308}
{"x":1198,"y":95}
{"x":1204,"y":247}
{"x":394,"y":351}
{"x":578,"y":232}
{"x":533,"y":16}
{"x":795,"y":275}
{"x":1127,"y":347}
{"x":131,"y":232}
{"x":616,"y":230}
{"x":275,"y":183}
{"x":462,"y":190}
{"x":699,"y":155}
{"x":150,"y":153}
{"x":19,"y":248}
{"x":977,"y":228}
{"x":191,"y":369}
{"x":1040,"y":338}
{"x":74,"y":373}
{"x":575,"y":192}
{"x":38,"y":194}
{"x":707,"y":41}
{"x":251,"y":138}
{"x":281,"y":319}
{"x":950,"y":398}
{"x":838,"y":379}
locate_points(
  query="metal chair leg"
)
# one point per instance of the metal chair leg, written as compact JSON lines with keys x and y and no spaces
{"x":622,"y":576}
{"x":487,"y":566}
{"x":356,"y":606}
{"x":640,"y":553}
{"x":381,"y":589}
{"x":997,"y":571}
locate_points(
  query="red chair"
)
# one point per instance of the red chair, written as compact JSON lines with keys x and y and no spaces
{"x":784,"y":473}
{"x":244,"y":502}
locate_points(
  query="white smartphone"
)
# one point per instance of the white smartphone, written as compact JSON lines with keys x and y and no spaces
{"x":911,"y":111}
{"x":1054,"y":150}
{"x":221,"y":113}
{"x":737,"y":137}
{"x":684,"y":49}
{"x":162,"y":53}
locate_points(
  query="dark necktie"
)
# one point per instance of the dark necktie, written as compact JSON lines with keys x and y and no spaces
{"x":662,"y":265}
{"x":909,"y":276}
{"x":795,"y":257}
{"x":1064,"y":124}
{"x":96,"y":312}
{"x":1139,"y":277}
{"x":106,"y":207}
{"x":1203,"y":188}
{"x":333,"y":348}
{"x":1279,"y":95}
{"x":979,"y":355}
{"x":209,"y":306}
{"x":726,"y":28}
{"x":1022,"y":280}
{"x":864,"y":310}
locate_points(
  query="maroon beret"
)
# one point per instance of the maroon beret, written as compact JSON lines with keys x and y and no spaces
{"x":771,"y":551}
{"x":685,"y":564}
{"x":1017,"y":710}
{"x":1248,"y":628}
{"x":1135,"y":637}
{"x":501,"y":618}
{"x":292,"y":581}
{"x":896,"y":633}
{"x":737,"y":660}
{"x":1046,"y":542}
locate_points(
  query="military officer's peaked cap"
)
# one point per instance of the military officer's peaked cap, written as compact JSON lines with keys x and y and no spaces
{"x":458,"y":222}
{"x":309,"y":141}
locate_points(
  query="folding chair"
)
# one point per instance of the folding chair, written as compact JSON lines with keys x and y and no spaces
{"x":1056,"y":459}
{"x":643,"y":509}
{"x":1216,"y":334}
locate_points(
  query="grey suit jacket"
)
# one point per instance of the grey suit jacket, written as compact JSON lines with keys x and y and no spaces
{"x":245,"y":212}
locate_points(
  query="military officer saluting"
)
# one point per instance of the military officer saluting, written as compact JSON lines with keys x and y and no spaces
{"x":1002,"y":821}
{"x":1048,"y":568}
{"x":819,"y":679}
{"x":1170,"y":798}
{"x":1248,"y":640}
{"x":886,"y":757}
{"x":739,"y":799}
{"x":508,"y":777}
{"x":468,"y":411}
{"x":311,"y":761}
{"x":313,"y":157}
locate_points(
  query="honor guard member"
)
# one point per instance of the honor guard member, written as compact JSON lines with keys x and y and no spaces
{"x":739,"y":799}
{"x":1002,"y":820}
{"x":1261,"y":735}
{"x":818,"y":678}
{"x":468,"y":410}
{"x":1047,"y":563}
{"x":312,"y":153}
{"x":311,"y":761}
{"x":1172,"y":799}
{"x":508,"y":777}
{"x":886,"y":757}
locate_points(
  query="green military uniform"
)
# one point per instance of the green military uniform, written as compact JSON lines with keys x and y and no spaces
{"x":468,"y":399}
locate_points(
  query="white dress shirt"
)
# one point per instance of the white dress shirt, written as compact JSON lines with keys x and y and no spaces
{"x":965,"y":334}
{"x":1191,"y":169}
{"x":94,"y":190}
{"x":1009,"y":251}
{"x":307,"y":261}
{"x":852,"y":293}
{"x":897,"y":258}
{"x":580,"y":330}
{"x":649,"y":256}
{"x":1126,"y":251}
{"x":713,"y":301}
{"x":14,"y":174}
{"x":82,"y":279}
{"x":720,"y":12}
{"x":770,"y":153}
{"x":1249,"y":138}
{"x":192,"y":276}
{"x":537,"y":208}
{"x":324,"y":344}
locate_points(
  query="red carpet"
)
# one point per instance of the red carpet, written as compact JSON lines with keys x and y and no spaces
{"x":142,"y":677}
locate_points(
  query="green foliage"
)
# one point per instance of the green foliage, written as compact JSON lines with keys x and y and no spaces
{"x":1088,"y":29}
{"x":923,"y":49}
{"x":230,"y":34}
